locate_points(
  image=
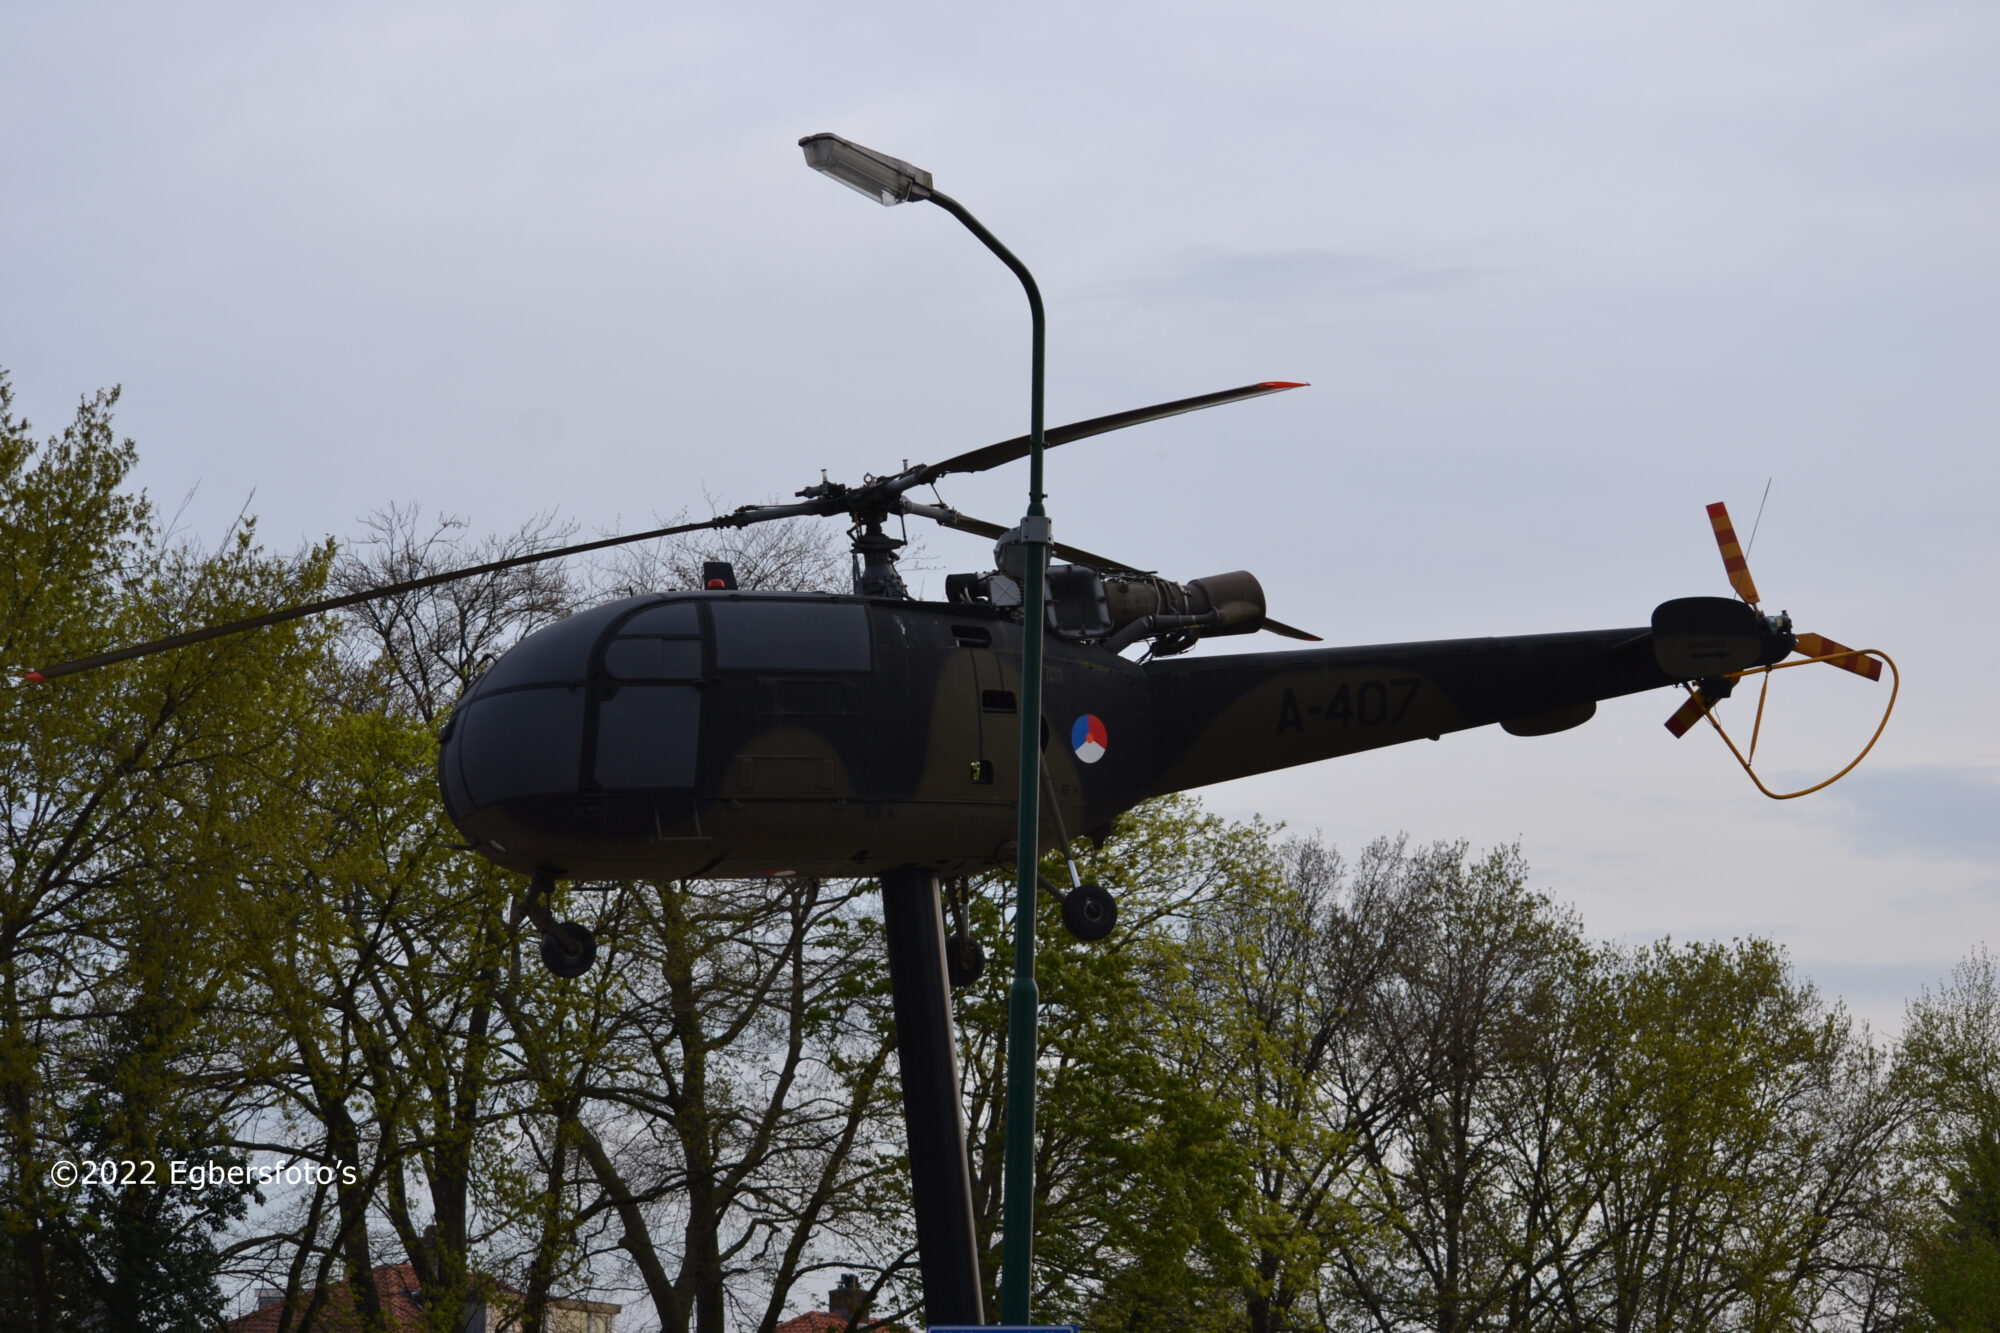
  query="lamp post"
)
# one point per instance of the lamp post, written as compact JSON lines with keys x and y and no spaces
{"x":891,"y":181}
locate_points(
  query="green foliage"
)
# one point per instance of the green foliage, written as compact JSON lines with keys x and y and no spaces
{"x":125,"y":794}
{"x":1957,"y":1266}
{"x":147,"y":1253}
{"x":1140,"y":1182}
{"x":1952,"y":1060}
{"x":1294,"y":1093}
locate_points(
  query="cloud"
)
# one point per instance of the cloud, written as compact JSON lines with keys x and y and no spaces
{"x":1939,"y":811}
{"x":1877,"y":992}
{"x":1222,"y":276}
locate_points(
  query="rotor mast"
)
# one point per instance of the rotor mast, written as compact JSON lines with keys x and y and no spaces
{"x":875,"y":556}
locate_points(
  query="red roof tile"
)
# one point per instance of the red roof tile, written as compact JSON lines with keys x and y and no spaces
{"x":812,"y":1321}
{"x":395,"y":1287}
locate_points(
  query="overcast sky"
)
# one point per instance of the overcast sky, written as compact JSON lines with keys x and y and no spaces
{"x":1560,"y":275}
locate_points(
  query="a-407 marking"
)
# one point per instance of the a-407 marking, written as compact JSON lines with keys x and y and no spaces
{"x":1368,"y":703}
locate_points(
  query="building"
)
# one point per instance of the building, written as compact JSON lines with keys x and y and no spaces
{"x":813,"y":1321}
{"x":841,"y":1304}
{"x":401,"y":1299}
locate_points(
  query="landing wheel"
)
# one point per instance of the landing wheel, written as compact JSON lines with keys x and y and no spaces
{"x":1088,"y":912}
{"x":569,"y":951}
{"x":964,"y":960}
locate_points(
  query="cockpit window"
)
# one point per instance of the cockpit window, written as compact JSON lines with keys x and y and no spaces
{"x":559,"y":654}
{"x":653,"y":659}
{"x":647,"y":737}
{"x":790,"y":636}
{"x":672,"y":620}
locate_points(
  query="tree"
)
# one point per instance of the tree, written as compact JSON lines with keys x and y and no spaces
{"x":1453,"y":1111}
{"x":125,"y":792}
{"x":1280,"y":963}
{"x":1139,"y":1185}
{"x":732,"y":1030}
{"x":415,"y":653}
{"x":725,"y":1087}
{"x":143,"y":1256}
{"x":1729,"y":1134}
{"x":1443,"y":1076}
{"x":793,"y":555}
{"x":1951,"y":1059}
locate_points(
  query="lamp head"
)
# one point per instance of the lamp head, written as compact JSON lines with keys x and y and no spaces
{"x":887,"y":180}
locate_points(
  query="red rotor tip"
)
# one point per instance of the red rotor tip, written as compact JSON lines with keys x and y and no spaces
{"x":1284,"y":384}
{"x":33,"y":677}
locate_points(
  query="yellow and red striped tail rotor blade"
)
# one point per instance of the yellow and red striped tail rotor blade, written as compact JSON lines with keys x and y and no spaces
{"x":1732,"y":553}
{"x":1840,"y":655}
{"x":1685,"y":717}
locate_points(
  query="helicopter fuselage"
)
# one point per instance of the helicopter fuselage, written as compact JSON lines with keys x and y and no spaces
{"x":721,"y":734}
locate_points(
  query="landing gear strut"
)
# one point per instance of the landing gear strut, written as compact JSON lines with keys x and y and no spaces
{"x":964,"y":956}
{"x":568,"y":947}
{"x":1088,"y":910}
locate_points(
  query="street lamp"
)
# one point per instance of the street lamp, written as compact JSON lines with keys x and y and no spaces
{"x":889,"y":180}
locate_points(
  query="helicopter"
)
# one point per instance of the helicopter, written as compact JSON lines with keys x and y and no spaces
{"x":720,"y":733}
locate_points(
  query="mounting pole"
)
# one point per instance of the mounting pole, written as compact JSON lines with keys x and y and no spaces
{"x":933,"y":1105}
{"x":1023,"y":998}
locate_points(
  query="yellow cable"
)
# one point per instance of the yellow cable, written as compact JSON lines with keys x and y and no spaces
{"x":1895,"y":684}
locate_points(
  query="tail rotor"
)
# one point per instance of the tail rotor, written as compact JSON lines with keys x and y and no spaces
{"x":1705,"y":692}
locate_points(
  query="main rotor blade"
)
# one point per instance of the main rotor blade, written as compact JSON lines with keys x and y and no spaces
{"x":951,"y":518}
{"x":387,"y":590}
{"x":1279,"y":627}
{"x":993,"y":455}
{"x":1733,"y":562}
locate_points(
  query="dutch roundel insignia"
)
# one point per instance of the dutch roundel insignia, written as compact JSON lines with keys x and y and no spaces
{"x":1089,"y":738}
